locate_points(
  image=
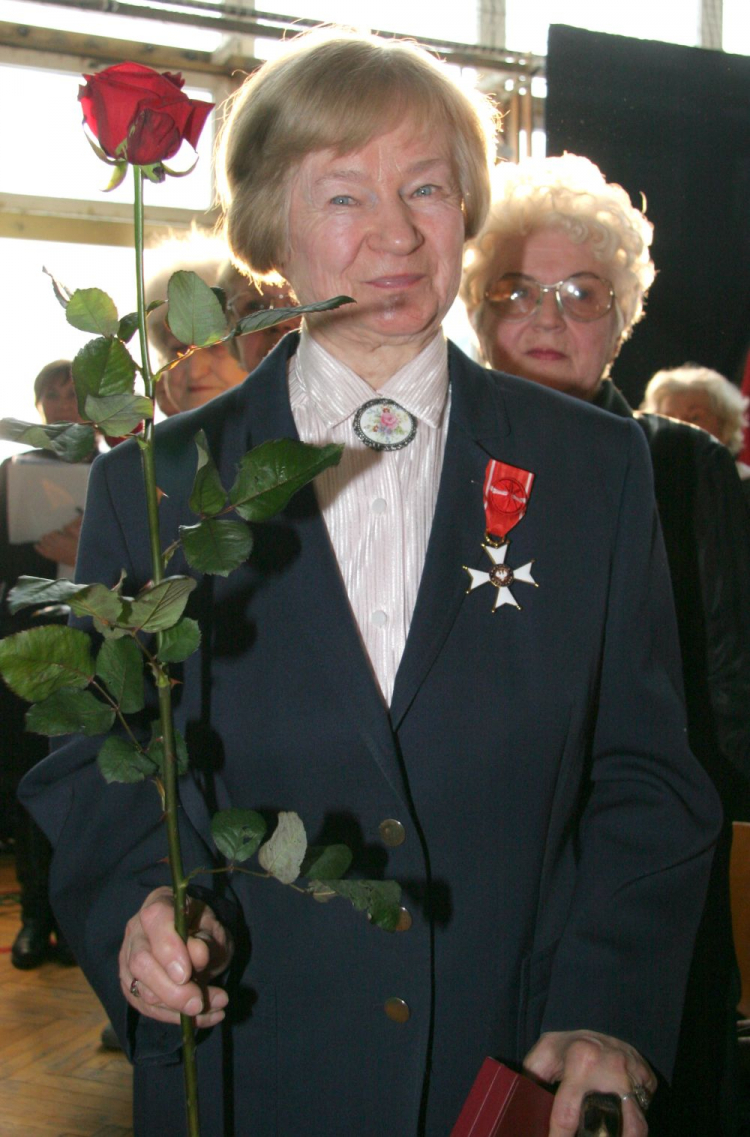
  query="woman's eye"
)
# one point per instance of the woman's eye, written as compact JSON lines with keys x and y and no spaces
{"x":342,"y":199}
{"x":425,"y":191}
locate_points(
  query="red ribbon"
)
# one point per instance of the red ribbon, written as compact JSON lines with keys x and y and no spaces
{"x":507,"y":490}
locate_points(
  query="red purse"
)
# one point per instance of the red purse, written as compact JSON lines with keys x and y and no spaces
{"x":502,"y":1103}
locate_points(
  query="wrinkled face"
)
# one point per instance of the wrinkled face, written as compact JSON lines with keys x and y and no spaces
{"x":245,"y":300}
{"x":383,"y":225}
{"x":549,"y":346}
{"x":196,"y":379}
{"x":58,"y":402}
{"x":694,"y":407}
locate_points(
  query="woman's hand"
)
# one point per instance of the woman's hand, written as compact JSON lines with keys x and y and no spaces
{"x":582,"y":1061}
{"x":61,"y":545}
{"x":161,"y":976}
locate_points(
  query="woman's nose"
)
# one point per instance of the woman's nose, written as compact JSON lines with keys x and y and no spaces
{"x":547,"y":313}
{"x":394,"y":230}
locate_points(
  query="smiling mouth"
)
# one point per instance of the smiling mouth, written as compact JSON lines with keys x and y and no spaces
{"x":403,"y":280}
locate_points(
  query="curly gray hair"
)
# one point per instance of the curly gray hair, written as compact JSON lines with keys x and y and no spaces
{"x":569,"y":193}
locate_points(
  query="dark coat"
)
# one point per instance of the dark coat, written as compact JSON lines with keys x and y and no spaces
{"x":707,"y":537}
{"x":557,"y":829}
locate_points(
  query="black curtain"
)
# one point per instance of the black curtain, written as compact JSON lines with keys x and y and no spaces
{"x":672,"y":123}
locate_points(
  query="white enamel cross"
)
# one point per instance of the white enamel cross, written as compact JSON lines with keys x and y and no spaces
{"x":501,"y":576}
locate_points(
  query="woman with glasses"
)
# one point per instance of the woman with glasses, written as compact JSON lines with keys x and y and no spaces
{"x":554,"y":284}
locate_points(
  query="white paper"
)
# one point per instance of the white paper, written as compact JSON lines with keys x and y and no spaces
{"x":43,"y":495}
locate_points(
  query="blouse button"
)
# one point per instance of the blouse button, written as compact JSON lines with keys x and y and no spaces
{"x":379,"y":505}
{"x":380,"y":618}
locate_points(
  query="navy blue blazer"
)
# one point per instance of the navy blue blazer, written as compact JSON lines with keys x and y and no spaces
{"x":557,"y":831}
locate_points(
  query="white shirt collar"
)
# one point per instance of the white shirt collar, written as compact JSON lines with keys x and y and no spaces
{"x":336,"y":392}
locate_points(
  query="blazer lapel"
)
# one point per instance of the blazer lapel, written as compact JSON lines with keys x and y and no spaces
{"x":477,"y":429}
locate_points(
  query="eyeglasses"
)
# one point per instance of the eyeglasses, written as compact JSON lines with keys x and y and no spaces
{"x":583,"y":296}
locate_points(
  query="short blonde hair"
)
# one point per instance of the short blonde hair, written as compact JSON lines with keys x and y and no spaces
{"x":571,"y":194}
{"x":727,"y":401}
{"x":337,"y":90}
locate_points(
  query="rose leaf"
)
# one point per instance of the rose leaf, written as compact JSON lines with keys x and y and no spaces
{"x":216,"y":546}
{"x":103,"y":366}
{"x":127,"y":327}
{"x":98,"y":602}
{"x":268,"y":317}
{"x":37,"y":591}
{"x":121,"y":761}
{"x":159,"y":606}
{"x":273,"y":472}
{"x":237,"y":833}
{"x":70,"y":712}
{"x":283,"y":853}
{"x":208,"y":496}
{"x":37,"y":662}
{"x":70,"y":441}
{"x":379,"y":898}
{"x":195,"y":316}
{"x":179,"y":642}
{"x":91,"y":310}
{"x":327,"y":862}
{"x":120,"y":664}
{"x":116,"y":415}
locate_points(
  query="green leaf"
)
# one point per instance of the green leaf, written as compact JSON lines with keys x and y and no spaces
{"x":71,"y":441}
{"x":37,"y":662}
{"x":216,"y":546}
{"x":273,"y":472}
{"x":118,"y":414}
{"x":70,"y":712}
{"x":379,"y":898}
{"x":120,"y":664}
{"x":62,"y":293}
{"x":195,"y":316}
{"x":179,"y":642}
{"x":237,"y":833}
{"x":156,"y":750}
{"x":91,"y":310}
{"x":127,"y":327}
{"x":121,"y":761}
{"x":268,"y":317}
{"x":159,"y":606}
{"x":100,"y":603}
{"x":208,"y":496}
{"x":38,"y":591}
{"x":103,"y":366}
{"x":327,"y":862}
{"x":283,"y":853}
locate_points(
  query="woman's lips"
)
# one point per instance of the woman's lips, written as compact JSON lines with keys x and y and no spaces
{"x":404,"y":280}
{"x":546,"y":353}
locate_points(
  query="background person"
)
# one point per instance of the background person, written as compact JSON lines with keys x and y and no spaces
{"x":554,"y":284}
{"x":523,"y":773}
{"x":55,"y":398}
{"x":245,"y":296}
{"x":705,"y":398}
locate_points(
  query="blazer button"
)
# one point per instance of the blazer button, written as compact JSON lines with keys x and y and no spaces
{"x":397,"y":1010}
{"x":392,"y":832}
{"x":404,"y":920}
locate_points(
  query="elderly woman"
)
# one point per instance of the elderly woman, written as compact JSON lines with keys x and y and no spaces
{"x":705,"y":398}
{"x":554,"y":284}
{"x":524,"y":774}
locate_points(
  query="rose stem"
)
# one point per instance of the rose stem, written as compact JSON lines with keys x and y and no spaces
{"x":169,"y":773}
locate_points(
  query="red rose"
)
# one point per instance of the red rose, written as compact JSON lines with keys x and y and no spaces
{"x":148,"y":111}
